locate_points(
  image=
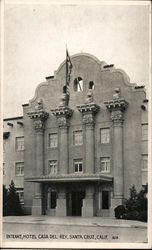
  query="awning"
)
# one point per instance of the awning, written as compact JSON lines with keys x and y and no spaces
{"x":69,"y":178}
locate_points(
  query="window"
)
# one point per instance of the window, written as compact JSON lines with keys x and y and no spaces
{"x":77,"y":138}
{"x":53,"y":199}
{"x":144,"y":162}
{"x":21,"y":195}
{"x":19,"y":143}
{"x":4,"y":146}
{"x":91,"y":85}
{"x":105,"y":199}
{"x":105,"y":164}
{"x":105,"y":135}
{"x":77,"y":166}
{"x":78,"y":84}
{"x":53,"y":140}
{"x":4,"y":169}
{"x":19,"y":169}
{"x":144,"y":131}
{"x":52,"y":167}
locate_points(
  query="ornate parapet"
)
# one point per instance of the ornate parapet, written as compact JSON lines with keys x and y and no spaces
{"x":39,"y":117}
{"x":88,"y":111}
{"x":63,"y":115}
{"x":116,"y":106}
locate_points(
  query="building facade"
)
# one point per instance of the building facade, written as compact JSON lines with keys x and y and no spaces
{"x":13,"y":154}
{"x":81,"y":158}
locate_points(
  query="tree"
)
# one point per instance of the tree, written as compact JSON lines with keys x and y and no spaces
{"x":13,"y":206}
{"x":4,"y":200}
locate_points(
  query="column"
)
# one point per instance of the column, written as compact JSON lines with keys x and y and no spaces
{"x":39,"y":116}
{"x":88,"y":202}
{"x":117,"y":106}
{"x":63,"y":115}
{"x":88,"y":117}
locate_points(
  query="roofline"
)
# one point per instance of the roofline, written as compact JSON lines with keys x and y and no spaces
{"x":13,"y":118}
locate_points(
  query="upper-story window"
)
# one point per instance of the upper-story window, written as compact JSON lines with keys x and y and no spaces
{"x":19,"y":143}
{"x":105,"y":164}
{"x":4,"y":146}
{"x":53,"y":167}
{"x":144,"y":162}
{"x":4,"y":169}
{"x":104,"y":135}
{"x":53,"y":140}
{"x":19,"y":169}
{"x":144,"y":132}
{"x":78,"y":166}
{"x":21,"y":195}
{"x":91,"y":85}
{"x":77,"y":138}
{"x":78,"y":84}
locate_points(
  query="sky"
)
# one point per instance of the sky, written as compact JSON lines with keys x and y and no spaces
{"x":35,"y":36}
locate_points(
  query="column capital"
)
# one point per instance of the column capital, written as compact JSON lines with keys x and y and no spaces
{"x":88,"y":111}
{"x":117,"y":106}
{"x":39,"y":117}
{"x":63,"y":115}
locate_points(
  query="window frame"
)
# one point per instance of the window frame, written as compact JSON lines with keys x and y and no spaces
{"x":107,"y":161}
{"x":17,"y":148}
{"x":54,"y":167}
{"x":76,"y":132}
{"x":4,"y":168}
{"x":21,"y":169}
{"x":78,"y":162}
{"x":144,"y":159}
{"x":54,"y":139}
{"x":144,"y":136}
{"x":101,"y":134}
{"x":78,"y":87}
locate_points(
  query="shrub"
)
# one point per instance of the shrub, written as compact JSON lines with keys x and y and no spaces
{"x":119,"y":211}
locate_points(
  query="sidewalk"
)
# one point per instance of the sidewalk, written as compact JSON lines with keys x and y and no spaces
{"x":74,"y":221}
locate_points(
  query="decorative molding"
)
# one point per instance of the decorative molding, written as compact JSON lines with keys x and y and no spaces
{"x":39,"y":116}
{"x":88,"y":111}
{"x":63,"y":115}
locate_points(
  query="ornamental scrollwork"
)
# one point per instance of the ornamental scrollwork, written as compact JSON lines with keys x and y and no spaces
{"x":88,"y":119}
{"x":117,"y":115}
{"x":39,"y":125}
{"x":62,"y":121}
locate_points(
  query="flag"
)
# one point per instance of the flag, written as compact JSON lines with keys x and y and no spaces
{"x":68,"y":71}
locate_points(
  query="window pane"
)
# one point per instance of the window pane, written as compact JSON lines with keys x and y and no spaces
{"x":52,"y":167}
{"x":105,"y":164}
{"x":145,"y":132}
{"x":19,"y":143}
{"x":78,"y":138}
{"x":105,"y":135}
{"x":53,"y":140}
{"x":19,"y":169}
{"x":78,"y":166}
{"x":145,"y":162}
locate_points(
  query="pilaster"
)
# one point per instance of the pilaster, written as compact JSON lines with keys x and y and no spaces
{"x":63,"y":115}
{"x":89,"y":111}
{"x":39,"y":116}
{"x":117,"y":107}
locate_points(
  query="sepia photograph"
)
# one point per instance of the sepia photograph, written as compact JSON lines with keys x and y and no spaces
{"x":75,"y":119}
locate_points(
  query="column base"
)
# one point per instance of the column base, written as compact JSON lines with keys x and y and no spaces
{"x":87,"y":209}
{"x":37,"y":207}
{"x":114,"y":203}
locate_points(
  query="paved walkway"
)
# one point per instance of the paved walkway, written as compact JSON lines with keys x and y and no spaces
{"x":76,"y":221}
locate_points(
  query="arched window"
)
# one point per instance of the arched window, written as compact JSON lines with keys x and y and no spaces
{"x":91,"y":85}
{"x":78,"y":84}
{"x":64,"y":89}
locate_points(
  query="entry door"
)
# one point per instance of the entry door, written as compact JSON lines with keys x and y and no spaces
{"x":76,"y":199}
